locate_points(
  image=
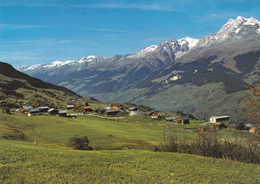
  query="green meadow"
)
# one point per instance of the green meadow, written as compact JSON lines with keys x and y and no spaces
{"x":123,"y":152}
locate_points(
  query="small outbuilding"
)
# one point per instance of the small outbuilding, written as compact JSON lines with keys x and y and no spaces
{"x":183,"y":121}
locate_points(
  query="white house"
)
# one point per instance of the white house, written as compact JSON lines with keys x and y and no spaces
{"x":135,"y":112}
{"x":215,"y":119}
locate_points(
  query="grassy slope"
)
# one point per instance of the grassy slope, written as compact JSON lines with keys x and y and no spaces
{"x":138,"y":132}
{"x":103,"y":133}
{"x":23,"y":162}
{"x":51,"y":162}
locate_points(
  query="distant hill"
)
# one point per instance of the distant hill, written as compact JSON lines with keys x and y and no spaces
{"x":17,"y":85}
{"x":204,"y":77}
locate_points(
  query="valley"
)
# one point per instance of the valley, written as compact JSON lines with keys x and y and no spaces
{"x":218,"y":66}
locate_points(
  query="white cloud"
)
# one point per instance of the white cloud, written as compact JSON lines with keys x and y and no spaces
{"x":17,"y":56}
{"x":147,"y":7}
{"x":19,"y":26}
{"x":138,"y":6}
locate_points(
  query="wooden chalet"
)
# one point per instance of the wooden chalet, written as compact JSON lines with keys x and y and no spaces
{"x":85,"y":109}
{"x":63,"y":113}
{"x":26,"y":109}
{"x":111,"y":112}
{"x":52,"y":112}
{"x":182,"y":121}
{"x":43,"y":108}
{"x":114,"y":107}
{"x":34,"y":112}
{"x":68,"y":107}
{"x":153,"y":114}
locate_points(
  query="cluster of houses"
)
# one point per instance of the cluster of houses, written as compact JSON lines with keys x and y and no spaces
{"x":110,"y":111}
{"x":113,"y":110}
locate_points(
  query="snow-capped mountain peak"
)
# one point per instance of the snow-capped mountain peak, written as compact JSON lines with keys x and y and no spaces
{"x":89,"y":60}
{"x":178,"y":47}
{"x":238,"y":27}
{"x":248,"y":28}
{"x":30,"y":67}
{"x":57,"y":64}
{"x":188,"y":41}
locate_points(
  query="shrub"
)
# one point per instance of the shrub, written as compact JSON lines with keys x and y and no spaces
{"x":208,"y":144}
{"x":80,"y":143}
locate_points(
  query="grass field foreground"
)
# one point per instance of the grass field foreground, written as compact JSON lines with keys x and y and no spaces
{"x":23,"y":162}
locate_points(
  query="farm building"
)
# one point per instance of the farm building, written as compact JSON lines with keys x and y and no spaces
{"x":63,"y":113}
{"x":43,"y":109}
{"x":153,"y":114}
{"x":27,"y":108}
{"x":114,"y":107}
{"x":132,"y":113}
{"x":68,"y":107}
{"x":53,"y":112}
{"x":215,"y":119}
{"x":170,"y":118}
{"x":182,"y":121}
{"x":34,"y":112}
{"x":111,"y":112}
{"x":85,"y":109}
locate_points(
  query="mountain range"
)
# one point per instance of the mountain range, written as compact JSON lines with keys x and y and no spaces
{"x":203,"y":77}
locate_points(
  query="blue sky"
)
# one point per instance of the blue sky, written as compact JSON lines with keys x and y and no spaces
{"x":43,"y":31}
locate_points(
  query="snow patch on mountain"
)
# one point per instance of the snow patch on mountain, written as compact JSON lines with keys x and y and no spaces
{"x":175,"y":77}
{"x":144,"y":52}
{"x":32,"y":67}
{"x":87,"y":59}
